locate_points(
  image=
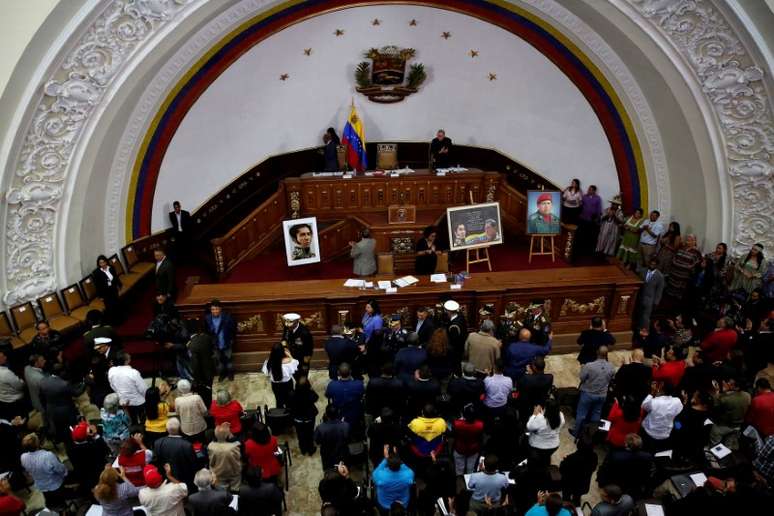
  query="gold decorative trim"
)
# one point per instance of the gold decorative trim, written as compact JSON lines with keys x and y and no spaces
{"x":597,"y":306}
{"x":295,"y":204}
{"x":254,"y":324}
{"x":315,"y":321}
{"x":623,"y":304}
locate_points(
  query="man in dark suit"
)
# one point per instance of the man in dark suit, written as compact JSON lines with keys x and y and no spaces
{"x":591,"y":339}
{"x":57,"y":395}
{"x":631,"y":468}
{"x":385,"y":391}
{"x":440,"y":148}
{"x":340,"y":349}
{"x":181,"y":228}
{"x":650,"y":294}
{"x":209,"y":500}
{"x":425,"y":326}
{"x":165,"y":274}
{"x":467,"y":388}
{"x":178,"y":452}
{"x":222,"y":327}
{"x":409,"y":359}
{"x":534,"y":387}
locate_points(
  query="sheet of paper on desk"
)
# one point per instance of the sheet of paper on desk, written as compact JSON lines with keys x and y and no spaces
{"x":665,"y":453}
{"x":652,"y":509}
{"x":354,"y":283}
{"x":369,"y":284}
{"x":698,"y":479}
{"x":438,"y":278}
{"x":455,"y":286}
{"x":405,"y":281}
{"x":720,"y":451}
{"x":384,"y":285}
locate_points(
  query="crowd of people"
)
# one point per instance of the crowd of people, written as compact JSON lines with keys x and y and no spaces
{"x":426,"y":413}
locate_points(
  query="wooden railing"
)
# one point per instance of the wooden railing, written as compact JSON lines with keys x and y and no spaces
{"x":513,"y":208}
{"x":252,"y":235}
{"x":335,"y":239}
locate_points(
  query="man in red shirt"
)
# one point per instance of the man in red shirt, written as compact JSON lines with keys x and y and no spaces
{"x":672,"y":369}
{"x":761,"y":411}
{"x":9,"y":504}
{"x":720,"y":342}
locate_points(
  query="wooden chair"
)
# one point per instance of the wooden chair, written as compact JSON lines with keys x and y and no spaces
{"x":341,"y":156}
{"x":24,"y":319}
{"x":74,"y":302}
{"x":55,"y":314}
{"x":385,"y":263}
{"x":442,"y":264}
{"x":134,"y":264}
{"x":7,"y":332}
{"x":128,"y":279}
{"x":387,"y":156}
{"x":89,"y":290}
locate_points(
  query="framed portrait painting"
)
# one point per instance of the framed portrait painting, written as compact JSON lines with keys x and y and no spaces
{"x":477,"y":225}
{"x":543,"y":212}
{"x":302,"y":243}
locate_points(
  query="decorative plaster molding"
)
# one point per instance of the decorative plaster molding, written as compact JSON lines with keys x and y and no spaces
{"x":69,"y":98}
{"x":733,"y":85}
{"x":210,"y":34}
{"x":624,"y":82}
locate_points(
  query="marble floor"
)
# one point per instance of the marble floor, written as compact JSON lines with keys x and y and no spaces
{"x":252,"y":389}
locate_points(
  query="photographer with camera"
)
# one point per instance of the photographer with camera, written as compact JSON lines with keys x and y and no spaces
{"x":169,"y":331}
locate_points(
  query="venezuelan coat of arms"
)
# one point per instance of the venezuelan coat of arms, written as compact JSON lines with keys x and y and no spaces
{"x":386,"y":80}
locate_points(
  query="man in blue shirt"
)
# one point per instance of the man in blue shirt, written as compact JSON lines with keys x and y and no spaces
{"x":409,"y":359}
{"x":393,"y":481}
{"x":523,"y":352}
{"x":222,"y":327}
{"x":346,"y":394}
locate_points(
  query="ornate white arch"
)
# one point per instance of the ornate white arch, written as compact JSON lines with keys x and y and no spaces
{"x":731,"y":82}
{"x":42,"y":167}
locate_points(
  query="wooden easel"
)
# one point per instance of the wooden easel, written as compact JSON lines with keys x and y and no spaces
{"x":478,"y":254}
{"x":542,"y":252}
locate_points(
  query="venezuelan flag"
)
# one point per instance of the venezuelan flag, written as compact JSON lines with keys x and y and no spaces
{"x":353,"y":137}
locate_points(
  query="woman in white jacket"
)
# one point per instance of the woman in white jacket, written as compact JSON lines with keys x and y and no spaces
{"x":544,"y":427}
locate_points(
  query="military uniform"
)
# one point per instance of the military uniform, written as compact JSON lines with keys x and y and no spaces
{"x":538,"y":224}
{"x":301,"y":344}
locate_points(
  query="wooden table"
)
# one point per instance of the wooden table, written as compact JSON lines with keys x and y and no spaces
{"x":576,"y":294}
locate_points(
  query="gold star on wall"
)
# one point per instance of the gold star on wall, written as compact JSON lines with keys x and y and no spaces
{"x":307,"y":51}
{"x":376,"y":22}
{"x":446,"y":35}
{"x":284,"y":77}
{"x":338,"y":32}
{"x":474,"y":53}
{"x":413,"y":23}
{"x":492,"y":76}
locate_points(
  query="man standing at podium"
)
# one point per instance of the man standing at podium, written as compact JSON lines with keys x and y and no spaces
{"x":440,"y":148}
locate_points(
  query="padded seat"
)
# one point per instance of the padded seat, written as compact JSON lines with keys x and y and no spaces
{"x":55,"y":314}
{"x":24,"y":319}
{"x":74,"y":302}
{"x":89,"y":290}
{"x":385,"y":263}
{"x":134,"y":264}
{"x":128,"y":279}
{"x":7,"y":332}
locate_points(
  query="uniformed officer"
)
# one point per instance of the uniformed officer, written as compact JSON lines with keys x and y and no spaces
{"x":299,"y":339}
{"x":543,"y":221}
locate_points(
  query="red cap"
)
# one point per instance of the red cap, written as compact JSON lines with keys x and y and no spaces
{"x":80,"y":432}
{"x":152,"y":476}
{"x":544,"y":197}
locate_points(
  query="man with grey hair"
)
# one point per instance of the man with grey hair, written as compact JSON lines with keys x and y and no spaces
{"x":482,"y":348}
{"x":208,"y":501}
{"x":466,"y":389}
{"x":178,"y":452}
{"x":225,"y":458}
{"x":191,"y":410}
{"x":340,"y":350}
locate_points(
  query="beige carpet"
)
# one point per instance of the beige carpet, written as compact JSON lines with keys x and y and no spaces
{"x":253,"y":389}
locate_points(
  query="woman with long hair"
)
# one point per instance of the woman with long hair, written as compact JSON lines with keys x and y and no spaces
{"x":280,"y":367}
{"x":372,"y":319}
{"x":156,"y":416}
{"x":544,"y":426}
{"x":303,"y":411}
{"x":748,"y":272}
{"x":427,"y":254}
{"x":669,"y":243}
{"x":133,"y":457}
{"x":115,"y":493}
{"x":438,"y":357}
{"x":108,"y":284}
{"x":572,"y":202}
{"x":260,"y":450}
